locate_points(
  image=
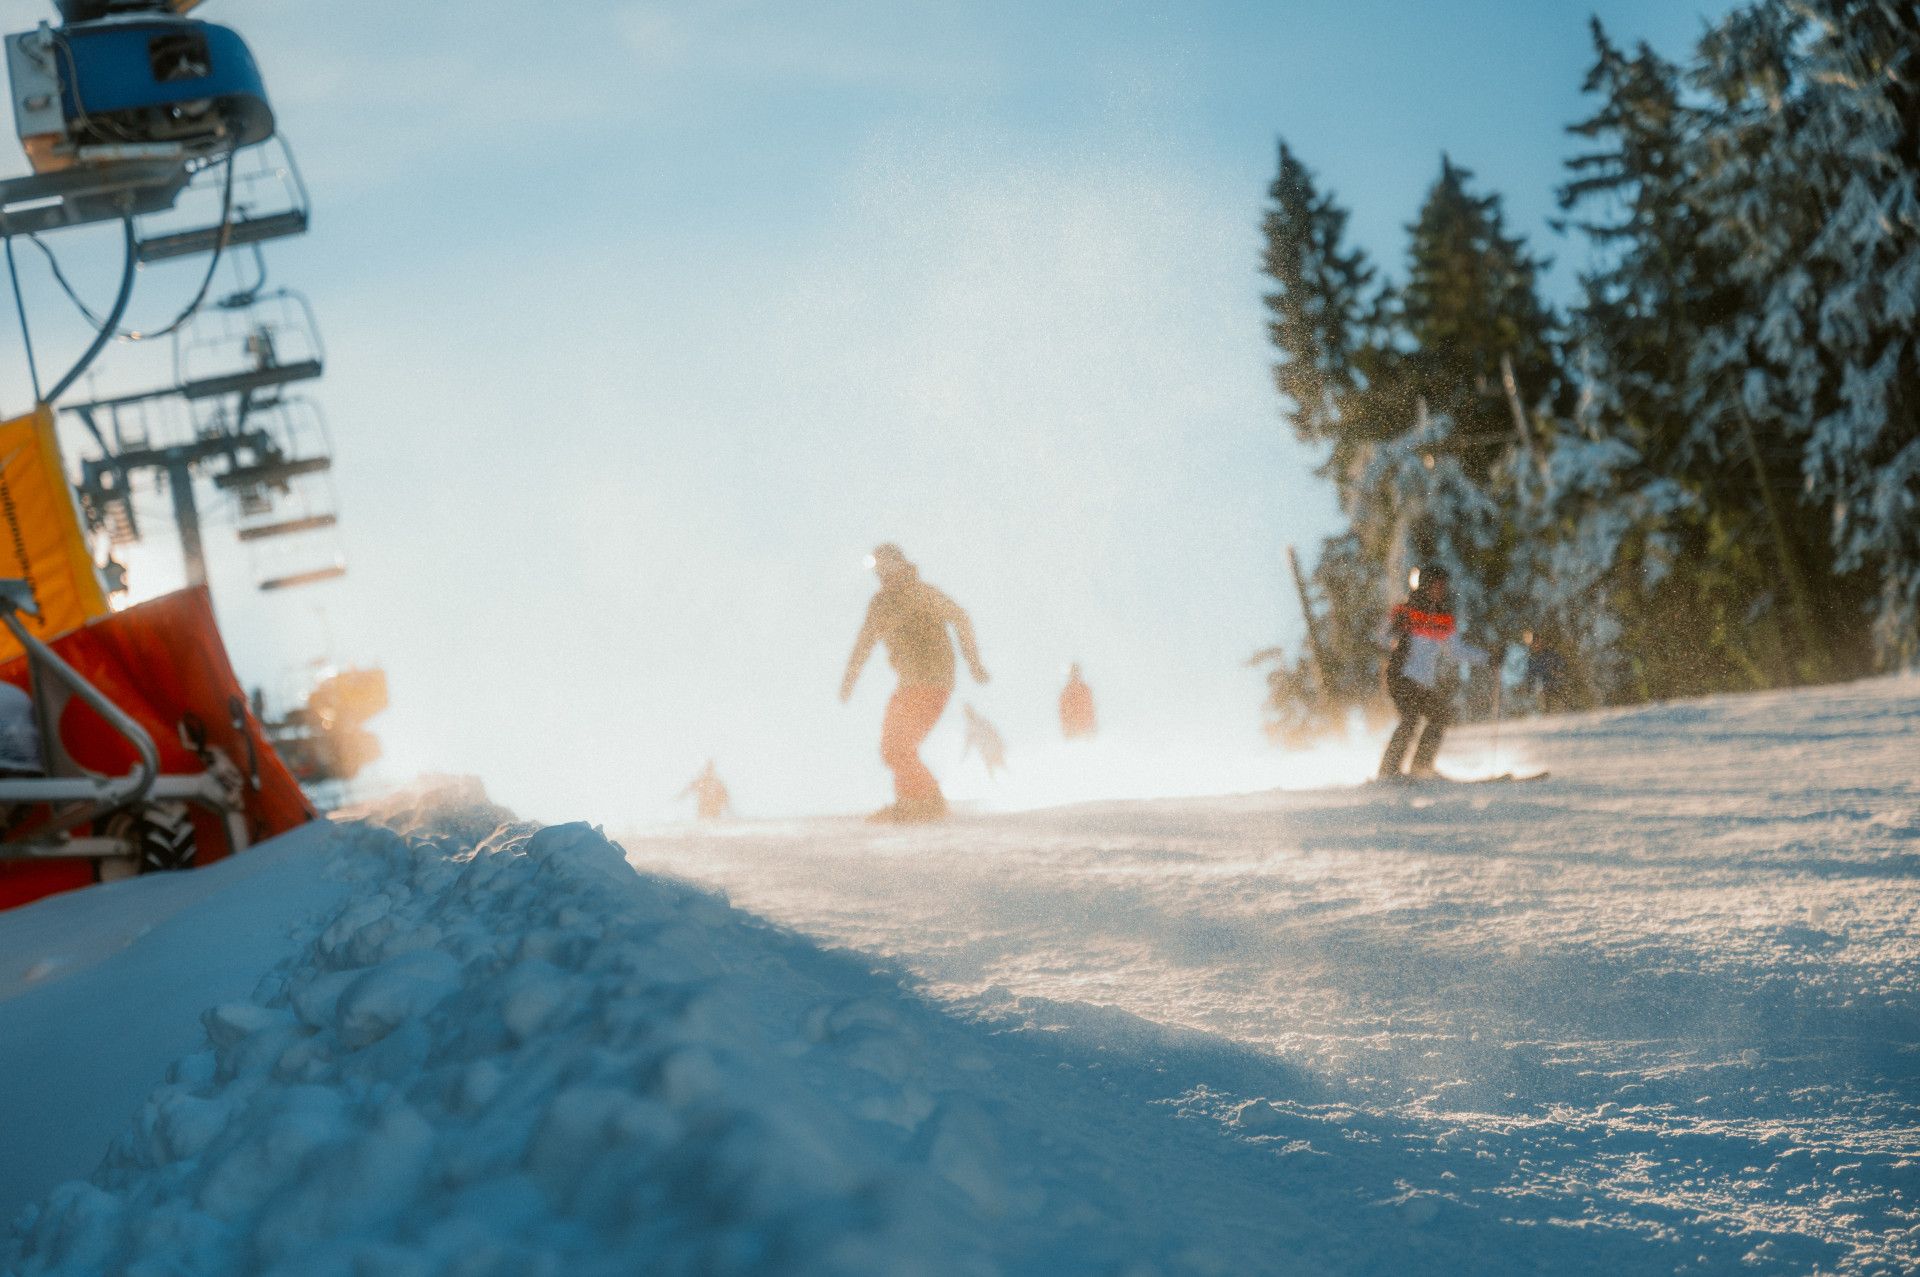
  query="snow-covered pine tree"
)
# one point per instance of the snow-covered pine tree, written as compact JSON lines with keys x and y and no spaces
{"x":1473,"y":337}
{"x":1413,"y":389}
{"x":1644,"y":580}
{"x":1807,"y":170}
{"x":1323,"y":324}
{"x":1319,"y":309}
{"x":1858,"y":141}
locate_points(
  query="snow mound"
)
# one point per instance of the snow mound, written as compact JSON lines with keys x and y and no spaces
{"x":524,"y":1059}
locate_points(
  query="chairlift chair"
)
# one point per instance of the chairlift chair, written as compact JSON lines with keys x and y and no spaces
{"x":249,"y":343}
{"x":288,"y":507}
{"x":298,"y":546}
{"x":264,"y":199}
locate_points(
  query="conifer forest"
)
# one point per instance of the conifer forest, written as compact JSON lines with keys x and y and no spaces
{"x":1704,"y":475}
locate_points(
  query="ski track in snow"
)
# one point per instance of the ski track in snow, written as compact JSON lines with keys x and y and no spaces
{"x":1668,"y":994}
{"x":1657,"y":1014}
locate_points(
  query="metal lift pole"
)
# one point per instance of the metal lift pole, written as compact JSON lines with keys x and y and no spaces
{"x":186,"y":515}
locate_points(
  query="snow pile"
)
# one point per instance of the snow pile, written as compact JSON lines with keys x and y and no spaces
{"x":523,"y":1058}
{"x":519,"y":1056}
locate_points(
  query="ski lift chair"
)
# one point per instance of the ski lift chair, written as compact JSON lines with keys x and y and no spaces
{"x":292,"y":537}
{"x":135,"y":822}
{"x":251,"y":342}
{"x":263,"y":199}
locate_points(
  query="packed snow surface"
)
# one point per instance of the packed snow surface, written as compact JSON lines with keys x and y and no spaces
{"x":1657,"y":1013}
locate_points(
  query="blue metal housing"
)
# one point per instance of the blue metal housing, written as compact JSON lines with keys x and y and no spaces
{"x":161,"y":79}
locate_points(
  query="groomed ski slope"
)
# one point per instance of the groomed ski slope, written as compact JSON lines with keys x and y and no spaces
{"x":1657,"y":1014}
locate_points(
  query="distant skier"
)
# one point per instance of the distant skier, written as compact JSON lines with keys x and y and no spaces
{"x":1545,"y":672}
{"x":982,"y":736}
{"x":911,"y":617}
{"x":1076,"y":707}
{"x":1423,"y":660}
{"x":709,"y":792}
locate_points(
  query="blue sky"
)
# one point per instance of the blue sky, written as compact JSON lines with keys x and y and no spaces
{"x":646,"y":320}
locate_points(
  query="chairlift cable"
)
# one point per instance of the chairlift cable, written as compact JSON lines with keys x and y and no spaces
{"x":26,"y":333}
{"x":193,"y":307}
{"x":106,"y":332}
{"x":219,"y":249}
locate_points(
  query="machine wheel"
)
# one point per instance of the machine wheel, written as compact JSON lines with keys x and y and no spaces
{"x":162,"y":835}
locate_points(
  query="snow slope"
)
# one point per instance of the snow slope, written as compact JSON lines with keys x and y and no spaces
{"x":1657,"y":1014}
{"x":1671,"y":994}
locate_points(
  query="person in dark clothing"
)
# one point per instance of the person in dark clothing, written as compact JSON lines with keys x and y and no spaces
{"x":1423,"y":658}
{"x":1545,"y":673}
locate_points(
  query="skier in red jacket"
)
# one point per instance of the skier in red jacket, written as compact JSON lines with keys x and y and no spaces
{"x":1423,"y":660}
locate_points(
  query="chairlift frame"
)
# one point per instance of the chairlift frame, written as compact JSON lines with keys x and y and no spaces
{"x":76,"y":796}
{"x":243,"y":228}
{"x":307,"y":444}
{"x":268,"y":371}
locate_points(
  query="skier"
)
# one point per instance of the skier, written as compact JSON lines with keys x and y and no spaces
{"x":1545,"y":671}
{"x":711,"y":800}
{"x":1076,"y":706}
{"x":981,"y":735}
{"x":911,"y":617}
{"x":1423,"y":662}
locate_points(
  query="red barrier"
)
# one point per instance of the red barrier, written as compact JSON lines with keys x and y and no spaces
{"x":163,"y":663}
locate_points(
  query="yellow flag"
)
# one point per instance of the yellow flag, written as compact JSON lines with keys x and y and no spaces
{"x":41,"y":536}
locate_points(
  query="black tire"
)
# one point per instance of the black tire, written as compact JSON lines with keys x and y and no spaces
{"x":164,"y":837}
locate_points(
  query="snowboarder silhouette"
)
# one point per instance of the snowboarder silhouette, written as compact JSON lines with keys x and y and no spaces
{"x":1422,"y":668}
{"x":982,"y":736}
{"x":1076,"y":707}
{"x":911,"y":617}
{"x":711,"y":800}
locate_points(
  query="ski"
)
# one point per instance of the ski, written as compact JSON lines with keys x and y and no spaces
{"x":1418,"y":782}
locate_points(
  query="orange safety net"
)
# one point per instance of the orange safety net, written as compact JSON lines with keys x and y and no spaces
{"x":163,"y":663}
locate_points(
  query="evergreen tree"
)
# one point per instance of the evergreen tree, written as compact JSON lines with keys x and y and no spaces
{"x":1470,"y":305}
{"x":1319,"y":308}
{"x":1648,"y":499}
{"x":1323,"y":323}
{"x":1644,"y":307}
{"x":1807,"y":170}
{"x":1418,"y":484}
{"x":1476,"y":347}
{"x":1716,"y":484}
{"x":1833,"y":118}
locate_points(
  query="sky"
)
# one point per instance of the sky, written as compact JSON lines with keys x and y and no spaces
{"x":645,"y":321}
